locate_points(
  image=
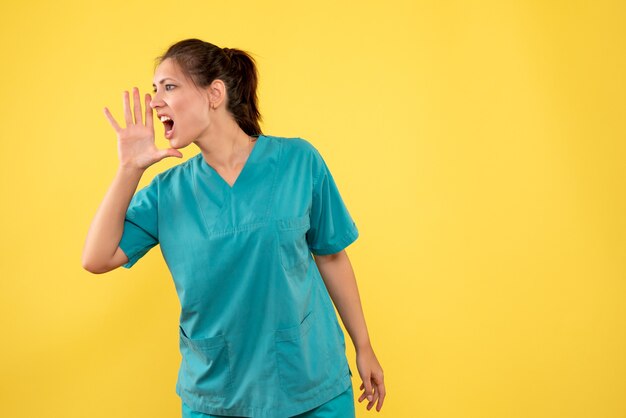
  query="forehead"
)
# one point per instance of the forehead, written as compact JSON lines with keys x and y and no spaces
{"x":168,"y":69}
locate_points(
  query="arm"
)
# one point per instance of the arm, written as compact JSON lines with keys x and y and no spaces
{"x":101,"y":252}
{"x":338,"y":276}
{"x":137,"y":151}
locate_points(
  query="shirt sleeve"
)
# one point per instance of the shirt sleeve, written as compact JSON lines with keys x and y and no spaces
{"x":331,"y":228}
{"x":141,"y":224}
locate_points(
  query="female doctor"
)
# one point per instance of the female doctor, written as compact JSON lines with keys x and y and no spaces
{"x":237,"y":225}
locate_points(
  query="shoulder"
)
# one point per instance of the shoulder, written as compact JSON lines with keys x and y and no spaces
{"x":301,"y":156}
{"x":175,"y":173}
{"x":292,"y":144}
{"x":299,"y":149}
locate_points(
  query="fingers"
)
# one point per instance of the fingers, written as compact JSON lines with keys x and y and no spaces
{"x":374,"y":394}
{"x":373,"y":400}
{"x":381,"y":399}
{"x":137,"y":103}
{"x":127,"y":113}
{"x":379,"y":387}
{"x":112,"y":121}
{"x":149,"y":121}
{"x":368,"y":390}
{"x":367,"y":385}
{"x":137,"y":118}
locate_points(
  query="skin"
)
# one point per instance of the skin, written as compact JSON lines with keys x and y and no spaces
{"x":200,"y":117}
{"x":336,"y":271}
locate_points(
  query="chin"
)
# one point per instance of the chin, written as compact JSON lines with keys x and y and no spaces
{"x":174,"y":143}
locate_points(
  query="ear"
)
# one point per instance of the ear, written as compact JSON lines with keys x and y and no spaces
{"x":217,"y":92}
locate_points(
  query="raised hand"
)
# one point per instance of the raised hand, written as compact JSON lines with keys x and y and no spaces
{"x":135,"y":143}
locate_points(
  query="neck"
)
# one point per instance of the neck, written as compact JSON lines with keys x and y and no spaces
{"x":228,"y":150}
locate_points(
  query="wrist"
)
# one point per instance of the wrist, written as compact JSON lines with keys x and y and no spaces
{"x":129,"y":170}
{"x":362,"y":346}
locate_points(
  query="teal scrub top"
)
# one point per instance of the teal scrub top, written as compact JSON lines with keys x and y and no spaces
{"x":258,"y":332}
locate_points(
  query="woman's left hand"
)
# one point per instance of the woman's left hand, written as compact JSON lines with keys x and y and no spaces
{"x":372,"y":375}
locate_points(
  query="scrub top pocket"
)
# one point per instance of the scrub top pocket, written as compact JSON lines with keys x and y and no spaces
{"x":302,"y":366}
{"x":206,"y":366}
{"x":294,"y":249}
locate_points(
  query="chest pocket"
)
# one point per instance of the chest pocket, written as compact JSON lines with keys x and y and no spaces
{"x":293,"y":246}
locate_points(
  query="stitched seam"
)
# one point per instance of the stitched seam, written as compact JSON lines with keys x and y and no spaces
{"x":194,"y":176}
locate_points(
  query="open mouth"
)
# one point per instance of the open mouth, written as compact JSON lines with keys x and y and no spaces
{"x":168,"y":124}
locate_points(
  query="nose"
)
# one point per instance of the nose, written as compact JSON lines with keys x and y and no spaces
{"x":156,"y":101}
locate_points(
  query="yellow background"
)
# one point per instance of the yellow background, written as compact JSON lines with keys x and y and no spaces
{"x":480,"y":147}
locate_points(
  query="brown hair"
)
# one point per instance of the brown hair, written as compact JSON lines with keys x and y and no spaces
{"x":204,"y":62}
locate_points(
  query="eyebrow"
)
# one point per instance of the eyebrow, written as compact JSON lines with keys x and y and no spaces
{"x":163,"y":80}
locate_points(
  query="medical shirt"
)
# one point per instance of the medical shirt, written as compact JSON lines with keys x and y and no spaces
{"x":258,"y":332}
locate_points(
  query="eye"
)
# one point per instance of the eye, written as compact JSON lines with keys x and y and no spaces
{"x":168,"y":87}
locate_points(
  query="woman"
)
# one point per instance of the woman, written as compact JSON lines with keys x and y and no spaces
{"x":237,"y":225}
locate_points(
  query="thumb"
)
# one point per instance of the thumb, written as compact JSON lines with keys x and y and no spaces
{"x":170,"y":152}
